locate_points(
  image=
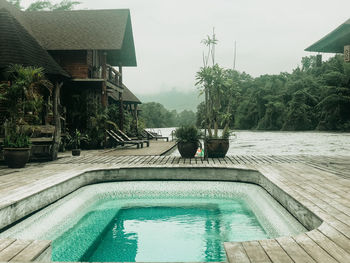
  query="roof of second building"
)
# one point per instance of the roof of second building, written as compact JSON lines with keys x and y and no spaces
{"x":17,"y":46}
{"x":109,"y":30}
{"x":79,"y":30}
{"x":334,"y":42}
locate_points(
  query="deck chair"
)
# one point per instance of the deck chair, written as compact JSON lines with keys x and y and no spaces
{"x":141,"y":142}
{"x":127,"y":138}
{"x":154,"y":135}
{"x":121,"y":142}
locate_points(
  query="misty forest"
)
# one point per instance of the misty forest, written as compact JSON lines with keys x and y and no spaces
{"x":315,"y":96}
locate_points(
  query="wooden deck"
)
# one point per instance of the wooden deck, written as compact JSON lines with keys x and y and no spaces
{"x":321,"y":184}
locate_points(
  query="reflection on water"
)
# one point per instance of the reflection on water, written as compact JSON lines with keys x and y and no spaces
{"x":285,"y":143}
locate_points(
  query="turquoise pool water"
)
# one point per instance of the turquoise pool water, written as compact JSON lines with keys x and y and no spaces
{"x":156,"y":221}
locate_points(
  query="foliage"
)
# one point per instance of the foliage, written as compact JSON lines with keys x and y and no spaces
{"x":220,"y":88}
{"x":75,"y":138}
{"x":155,"y":115}
{"x":187,"y":134}
{"x":45,"y":5}
{"x":309,"y":98}
{"x":16,"y":137}
{"x":16,"y":3}
{"x":97,"y":122}
{"x":23,"y":96}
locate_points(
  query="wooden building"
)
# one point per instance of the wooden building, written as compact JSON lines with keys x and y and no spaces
{"x":337,"y":41}
{"x":92,"y":46}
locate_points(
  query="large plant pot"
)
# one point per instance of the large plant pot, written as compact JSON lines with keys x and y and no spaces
{"x":76,"y":152}
{"x":16,"y":157}
{"x":187,"y":149}
{"x":217,"y":148}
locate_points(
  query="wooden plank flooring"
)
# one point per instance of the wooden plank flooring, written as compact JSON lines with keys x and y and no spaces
{"x":319,"y":183}
{"x":22,"y":250}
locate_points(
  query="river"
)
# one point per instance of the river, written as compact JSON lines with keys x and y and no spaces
{"x":284,"y":143}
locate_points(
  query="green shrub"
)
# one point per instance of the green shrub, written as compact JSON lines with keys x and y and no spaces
{"x":16,"y":140}
{"x":187,"y":134}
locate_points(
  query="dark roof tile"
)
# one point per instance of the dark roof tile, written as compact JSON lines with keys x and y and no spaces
{"x":17,"y":46}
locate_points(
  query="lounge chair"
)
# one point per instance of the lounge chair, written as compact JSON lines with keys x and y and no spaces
{"x":127,"y":138}
{"x":121,"y":142}
{"x":153,"y":135}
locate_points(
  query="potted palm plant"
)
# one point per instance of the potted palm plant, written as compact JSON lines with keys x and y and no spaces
{"x":22,"y":95}
{"x":74,"y":141}
{"x":187,"y":140}
{"x":16,"y":146}
{"x":215,"y":82}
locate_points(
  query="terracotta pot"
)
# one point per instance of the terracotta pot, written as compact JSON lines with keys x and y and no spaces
{"x":217,"y":148}
{"x":187,"y":149}
{"x":16,"y":157}
{"x":76,"y":152}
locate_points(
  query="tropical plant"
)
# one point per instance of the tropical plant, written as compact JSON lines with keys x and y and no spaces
{"x":16,"y":136}
{"x":219,"y":87}
{"x":187,"y":134}
{"x":23,"y":95}
{"x":75,"y":138}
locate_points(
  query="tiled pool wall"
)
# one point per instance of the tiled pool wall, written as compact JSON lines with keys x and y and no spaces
{"x":15,"y":210}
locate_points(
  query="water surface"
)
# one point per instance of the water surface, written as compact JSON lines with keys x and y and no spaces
{"x":285,"y":143}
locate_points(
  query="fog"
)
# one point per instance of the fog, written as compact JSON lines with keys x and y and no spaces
{"x":271,"y":36}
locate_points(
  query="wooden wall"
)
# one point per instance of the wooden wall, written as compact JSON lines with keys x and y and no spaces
{"x":75,"y":62}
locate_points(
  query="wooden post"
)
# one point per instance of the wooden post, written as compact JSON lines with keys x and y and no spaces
{"x":136,"y":119}
{"x":121,"y":104}
{"x":57,"y":119}
{"x":104,"y":98}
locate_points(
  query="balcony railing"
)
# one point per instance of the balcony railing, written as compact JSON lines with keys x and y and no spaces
{"x":112,"y":75}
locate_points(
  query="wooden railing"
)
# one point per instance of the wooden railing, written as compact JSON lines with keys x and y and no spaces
{"x":112,"y":75}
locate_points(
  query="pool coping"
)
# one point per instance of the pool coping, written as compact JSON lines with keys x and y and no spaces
{"x":324,"y":232}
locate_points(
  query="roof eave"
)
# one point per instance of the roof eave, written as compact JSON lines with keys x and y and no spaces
{"x":333,"y":42}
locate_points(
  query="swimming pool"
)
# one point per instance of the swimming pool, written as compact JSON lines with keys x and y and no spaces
{"x":158,"y":221}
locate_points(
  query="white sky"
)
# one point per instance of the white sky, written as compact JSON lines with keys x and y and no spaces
{"x":271,"y":35}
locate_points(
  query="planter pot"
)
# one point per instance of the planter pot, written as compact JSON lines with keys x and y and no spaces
{"x":187,"y":149}
{"x":76,"y":152}
{"x":16,"y":157}
{"x":217,"y":148}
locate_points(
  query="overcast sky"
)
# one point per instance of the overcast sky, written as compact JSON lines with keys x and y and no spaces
{"x":271,"y":35}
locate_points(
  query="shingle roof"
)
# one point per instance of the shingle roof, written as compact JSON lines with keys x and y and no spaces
{"x":17,"y":46}
{"x":334,"y":42}
{"x":129,"y":97}
{"x":108,"y":30}
{"x":16,"y":13}
{"x":79,"y":30}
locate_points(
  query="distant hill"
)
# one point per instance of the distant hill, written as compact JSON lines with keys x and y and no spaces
{"x":174,"y":99}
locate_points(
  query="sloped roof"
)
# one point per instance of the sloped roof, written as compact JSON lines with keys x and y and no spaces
{"x":17,"y":46}
{"x":16,"y":13}
{"x":334,"y":42}
{"x":108,"y":30}
{"x":79,"y":30}
{"x":130,"y":97}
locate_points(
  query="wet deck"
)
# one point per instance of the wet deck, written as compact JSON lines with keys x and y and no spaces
{"x":320,"y":184}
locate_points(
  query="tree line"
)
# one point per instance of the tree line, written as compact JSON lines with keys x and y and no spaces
{"x":155,"y":115}
{"x":313,"y":97}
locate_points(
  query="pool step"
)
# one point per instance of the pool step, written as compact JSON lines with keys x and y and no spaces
{"x":24,"y":250}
